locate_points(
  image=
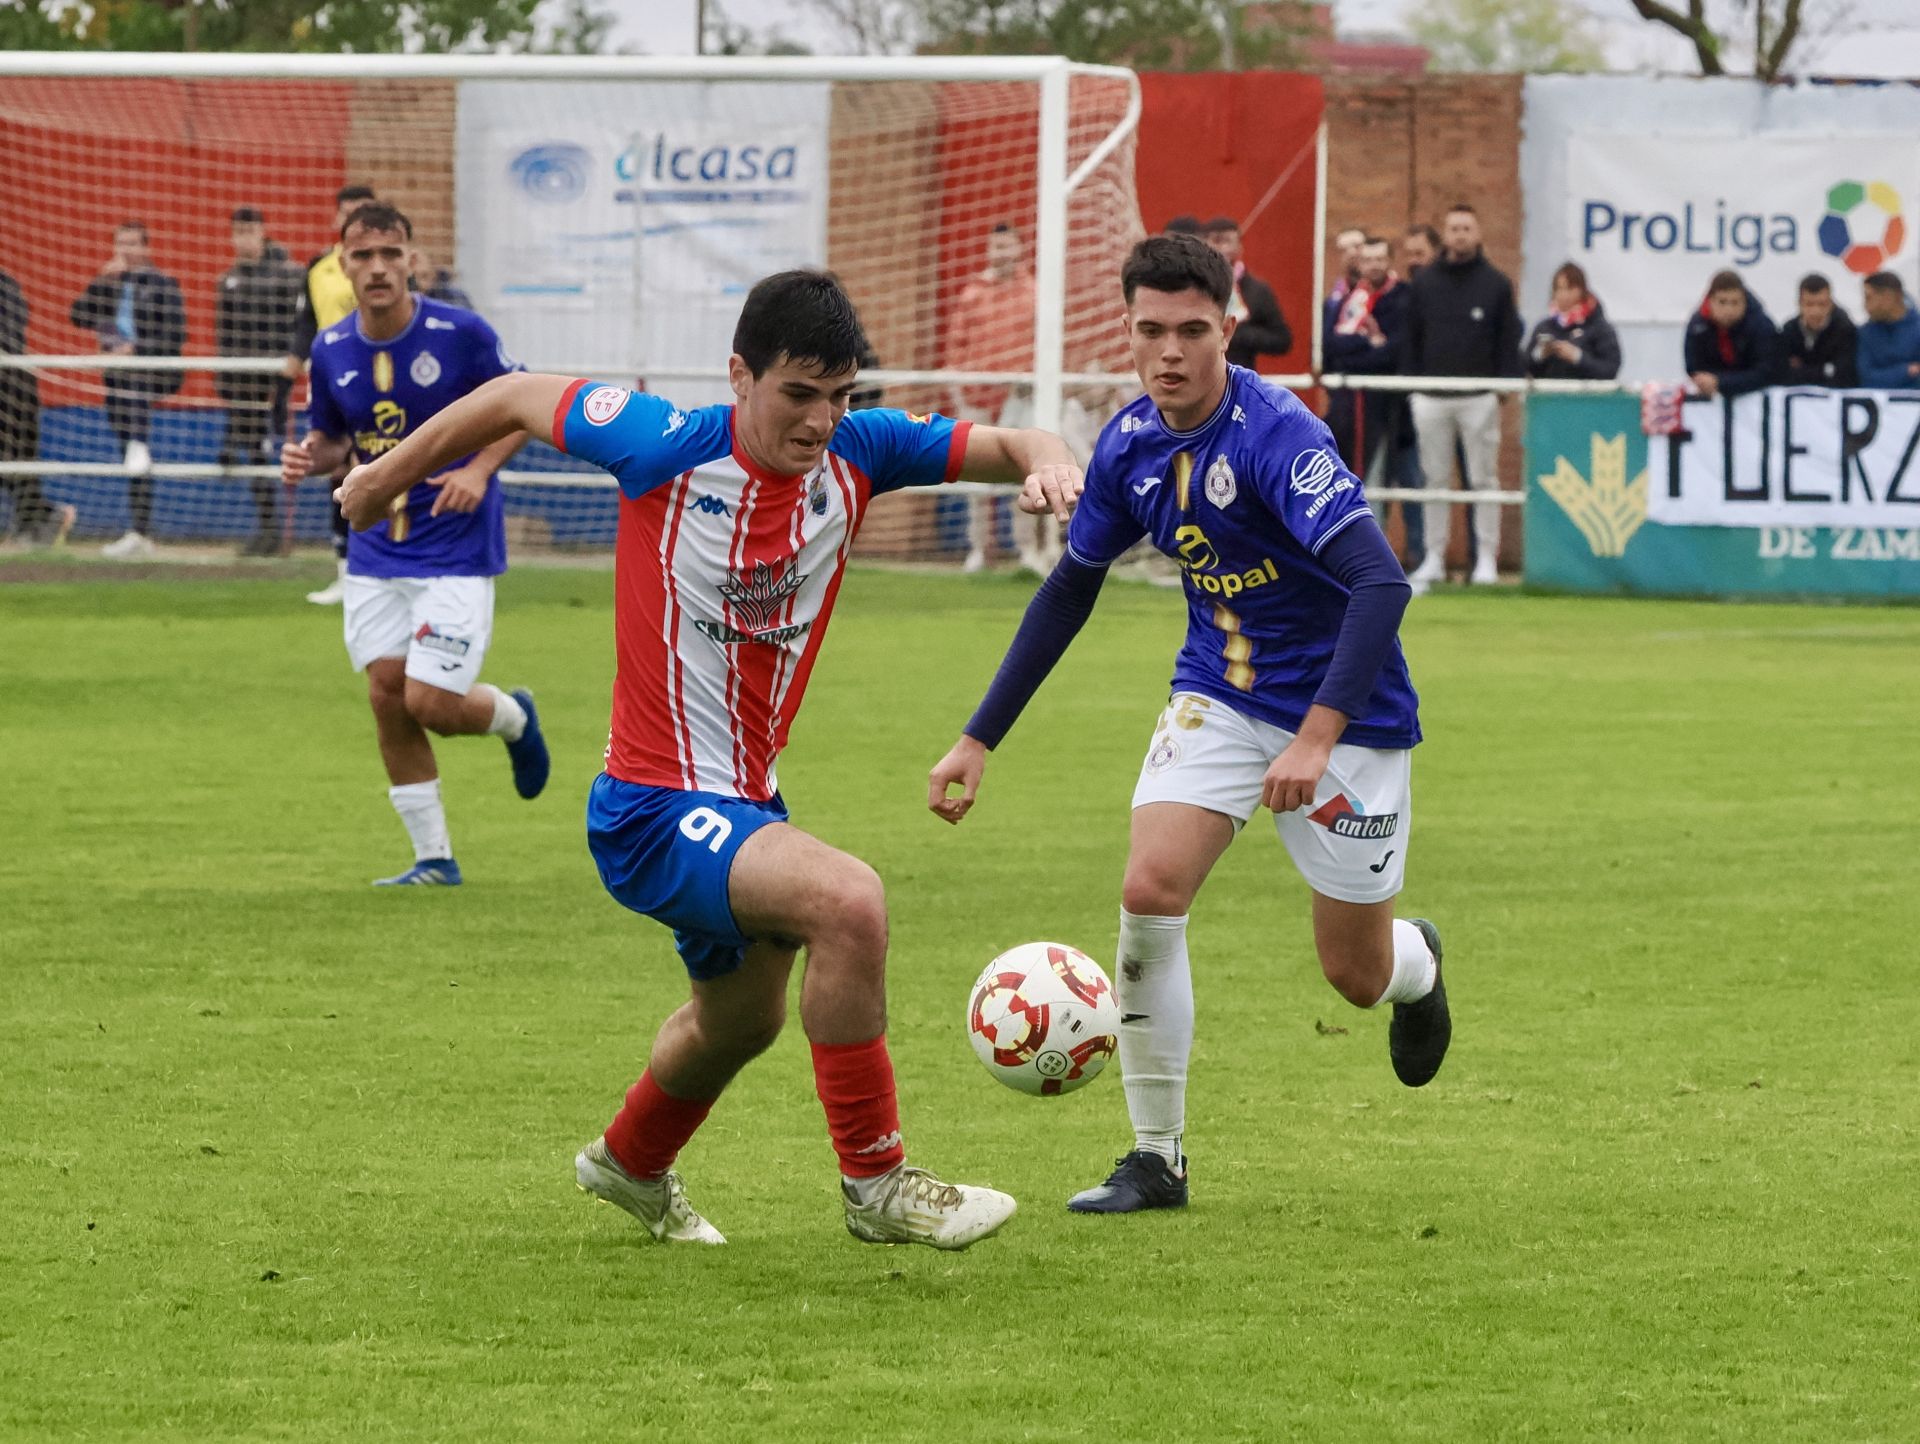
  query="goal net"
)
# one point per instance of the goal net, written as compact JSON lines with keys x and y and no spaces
{"x":606,"y":215}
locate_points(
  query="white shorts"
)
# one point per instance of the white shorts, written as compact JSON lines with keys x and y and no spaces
{"x":1351,"y":844}
{"x":441,"y":625}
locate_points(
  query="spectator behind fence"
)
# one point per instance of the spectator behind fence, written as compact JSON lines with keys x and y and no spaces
{"x":1817,"y":347}
{"x":1346,"y":247}
{"x":1260,"y":329}
{"x":35,"y":521}
{"x":134,"y":310}
{"x":1364,"y":336}
{"x":1418,"y":247}
{"x":253,"y":306}
{"x":1462,"y":321}
{"x":1575,"y":341}
{"x":992,"y":330}
{"x":1731,"y":342}
{"x":1890,"y":337}
{"x":436,"y":283}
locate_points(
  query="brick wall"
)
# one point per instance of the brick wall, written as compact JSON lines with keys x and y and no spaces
{"x":1401,"y":150}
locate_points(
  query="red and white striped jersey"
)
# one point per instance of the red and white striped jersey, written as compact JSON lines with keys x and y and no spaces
{"x":725,"y":575}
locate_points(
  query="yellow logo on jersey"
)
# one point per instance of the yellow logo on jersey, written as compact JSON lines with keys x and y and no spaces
{"x":1201,"y":563}
{"x":382,"y":371}
{"x":389,"y":429}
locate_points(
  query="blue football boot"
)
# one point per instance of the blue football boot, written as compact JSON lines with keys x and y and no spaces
{"x":1141,"y":1180}
{"x":433,"y":872}
{"x":529,"y":755}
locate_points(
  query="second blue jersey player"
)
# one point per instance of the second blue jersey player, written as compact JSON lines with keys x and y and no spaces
{"x":1290,"y":693}
{"x":419,"y":585}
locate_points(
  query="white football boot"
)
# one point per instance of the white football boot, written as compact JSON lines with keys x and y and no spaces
{"x":659,"y":1203}
{"x":131,"y":546}
{"x":915,"y":1207}
{"x":334,"y":592}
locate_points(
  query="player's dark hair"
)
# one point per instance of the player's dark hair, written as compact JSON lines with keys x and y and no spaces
{"x":140,"y":226}
{"x":1885,"y":281}
{"x":1182,"y":226}
{"x":803,"y":315}
{"x":352,"y":193}
{"x":1177,"y":263}
{"x":1219,"y":225}
{"x":377,"y":216}
{"x":1814,"y":284}
{"x":1724,"y":281}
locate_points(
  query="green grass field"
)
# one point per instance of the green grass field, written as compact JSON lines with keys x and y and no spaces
{"x":283,"y":1157}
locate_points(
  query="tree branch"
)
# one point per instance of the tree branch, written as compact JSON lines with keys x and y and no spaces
{"x":1769,"y":65}
{"x":1693,"y":25}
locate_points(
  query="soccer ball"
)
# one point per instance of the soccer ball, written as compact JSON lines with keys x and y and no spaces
{"x":1043,"y":1018}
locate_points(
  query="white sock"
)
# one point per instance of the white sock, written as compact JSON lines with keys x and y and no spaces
{"x":418,"y":804}
{"x":1413,"y":969}
{"x":509,"y":717}
{"x":1155,"y":989}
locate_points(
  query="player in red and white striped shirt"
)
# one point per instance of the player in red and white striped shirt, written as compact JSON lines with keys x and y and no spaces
{"x":735,"y":527}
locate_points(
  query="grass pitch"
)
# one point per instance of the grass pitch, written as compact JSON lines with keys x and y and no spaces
{"x":282,"y":1157}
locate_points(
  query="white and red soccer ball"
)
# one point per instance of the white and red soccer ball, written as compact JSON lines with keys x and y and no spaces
{"x":1043,"y":1018}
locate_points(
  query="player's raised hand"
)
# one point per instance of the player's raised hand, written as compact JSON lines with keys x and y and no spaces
{"x":1294,"y":776}
{"x":296,"y":462}
{"x":962,"y":765}
{"x":1054,"y":488}
{"x":462,"y":489}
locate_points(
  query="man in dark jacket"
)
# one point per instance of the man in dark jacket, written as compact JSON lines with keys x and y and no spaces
{"x":1461,"y":321}
{"x":1817,"y":345}
{"x":35,"y":520}
{"x":254,"y":304}
{"x":1731,"y":343}
{"x":1262,"y":330}
{"x":134,"y":310}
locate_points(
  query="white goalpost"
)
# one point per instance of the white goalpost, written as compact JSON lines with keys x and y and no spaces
{"x":606,"y":214}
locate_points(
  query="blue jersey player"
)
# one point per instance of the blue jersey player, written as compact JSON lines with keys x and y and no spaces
{"x":1290,"y":692}
{"x":419,"y":585}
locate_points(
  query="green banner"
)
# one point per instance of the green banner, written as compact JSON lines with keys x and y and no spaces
{"x":1587,"y":527}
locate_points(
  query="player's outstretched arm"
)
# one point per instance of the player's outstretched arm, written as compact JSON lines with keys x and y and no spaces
{"x":1054,"y":618}
{"x":1050,"y":478}
{"x":491,"y":413}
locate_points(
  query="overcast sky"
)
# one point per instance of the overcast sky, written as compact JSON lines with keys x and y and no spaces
{"x":1876,"y":37}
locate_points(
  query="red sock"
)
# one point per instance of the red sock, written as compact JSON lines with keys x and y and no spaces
{"x":648,"y":1134}
{"x":855,"y":1083}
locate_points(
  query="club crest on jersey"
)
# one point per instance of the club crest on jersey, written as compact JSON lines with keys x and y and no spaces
{"x":1221,"y":486}
{"x":603,"y":403}
{"x":817,"y":494}
{"x":1313,"y":472}
{"x":425,"y":369}
{"x":757,"y":598}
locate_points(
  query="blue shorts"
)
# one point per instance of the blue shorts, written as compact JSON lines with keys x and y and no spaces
{"x":668,"y":854}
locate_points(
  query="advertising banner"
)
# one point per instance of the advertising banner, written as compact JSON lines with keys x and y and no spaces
{"x":614,"y":227}
{"x":1589,"y":526}
{"x":1791,"y":456}
{"x":1656,"y":215}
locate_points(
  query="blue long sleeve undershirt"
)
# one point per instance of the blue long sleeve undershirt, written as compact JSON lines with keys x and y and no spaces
{"x":1358,"y":557}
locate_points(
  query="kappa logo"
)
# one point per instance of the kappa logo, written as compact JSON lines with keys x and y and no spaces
{"x":1343,"y":817}
{"x":1221,"y":486}
{"x":675,"y":420}
{"x":425,"y":369}
{"x":1313,"y":472}
{"x":885,"y":1143}
{"x":710,"y":505}
{"x":603,"y":403}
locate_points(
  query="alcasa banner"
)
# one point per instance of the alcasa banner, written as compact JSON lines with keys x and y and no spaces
{"x":1652,"y":217}
{"x":1790,"y":457}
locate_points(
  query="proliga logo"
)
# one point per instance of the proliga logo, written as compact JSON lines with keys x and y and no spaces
{"x":1863,"y":226}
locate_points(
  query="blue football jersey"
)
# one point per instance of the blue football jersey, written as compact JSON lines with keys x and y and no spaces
{"x":377,"y":393}
{"x":1245,"y":503}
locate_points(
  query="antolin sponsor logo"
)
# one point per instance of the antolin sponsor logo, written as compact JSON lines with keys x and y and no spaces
{"x":1342,"y":817}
